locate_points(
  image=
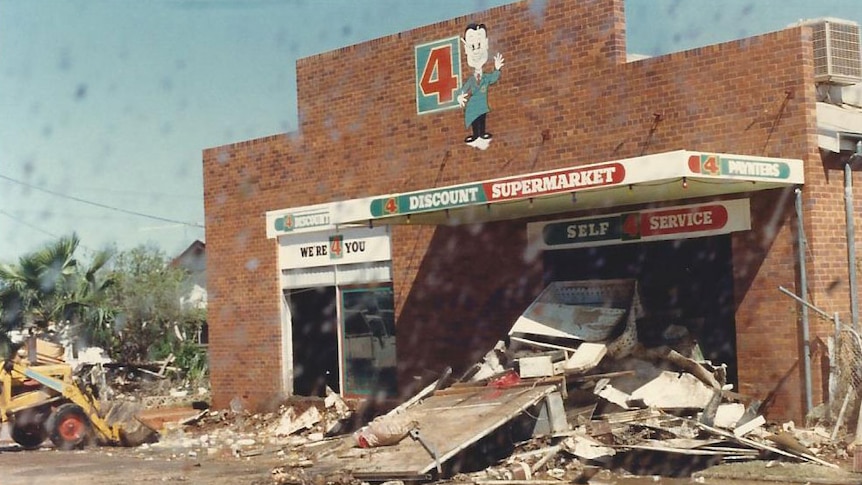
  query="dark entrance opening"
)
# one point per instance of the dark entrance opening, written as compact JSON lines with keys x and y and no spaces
{"x":315,"y":340}
{"x":685,"y":283}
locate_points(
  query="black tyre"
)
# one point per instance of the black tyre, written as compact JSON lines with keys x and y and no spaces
{"x":28,"y":429}
{"x":69,"y":428}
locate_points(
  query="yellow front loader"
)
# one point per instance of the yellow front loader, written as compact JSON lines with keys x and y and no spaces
{"x":46,"y":401}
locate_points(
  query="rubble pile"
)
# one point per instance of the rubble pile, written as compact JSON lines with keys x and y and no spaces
{"x":671,"y":425}
{"x":153,"y":384}
{"x":570,"y":393}
{"x":590,"y":437}
{"x":239,"y":433}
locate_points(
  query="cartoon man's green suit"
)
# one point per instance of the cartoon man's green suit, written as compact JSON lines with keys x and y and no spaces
{"x":473,"y":96}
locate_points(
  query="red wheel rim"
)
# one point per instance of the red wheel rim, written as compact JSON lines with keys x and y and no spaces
{"x":71,"y":428}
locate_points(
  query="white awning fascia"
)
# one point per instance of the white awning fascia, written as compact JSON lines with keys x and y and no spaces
{"x":667,"y":176}
{"x":838,"y":127}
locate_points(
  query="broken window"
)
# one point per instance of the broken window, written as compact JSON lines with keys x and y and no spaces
{"x":369,"y":341}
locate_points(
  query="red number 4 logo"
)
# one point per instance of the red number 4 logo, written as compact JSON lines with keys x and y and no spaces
{"x":711,"y":166}
{"x":438,"y":76}
{"x":391,"y":206}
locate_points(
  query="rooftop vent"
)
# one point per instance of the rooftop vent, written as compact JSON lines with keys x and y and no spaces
{"x":837,"y":52}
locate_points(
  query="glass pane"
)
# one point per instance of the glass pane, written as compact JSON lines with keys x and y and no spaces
{"x":369,"y":341}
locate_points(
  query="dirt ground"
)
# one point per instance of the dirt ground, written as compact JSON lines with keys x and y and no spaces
{"x":223,"y":449}
{"x":164,"y":464}
{"x":779,"y":472}
{"x":111,"y":466}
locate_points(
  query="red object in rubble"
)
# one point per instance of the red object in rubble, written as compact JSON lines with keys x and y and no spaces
{"x":509,"y":379}
{"x":363,"y":443}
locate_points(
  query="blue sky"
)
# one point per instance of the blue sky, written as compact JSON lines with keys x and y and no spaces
{"x":106,"y":105}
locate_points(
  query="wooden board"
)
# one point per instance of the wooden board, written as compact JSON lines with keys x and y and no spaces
{"x":449,"y":423}
{"x":157,"y":418}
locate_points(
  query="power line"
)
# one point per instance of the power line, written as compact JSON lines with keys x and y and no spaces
{"x":39,"y":229}
{"x":149,"y":193}
{"x":31,"y":226}
{"x":97,"y":204}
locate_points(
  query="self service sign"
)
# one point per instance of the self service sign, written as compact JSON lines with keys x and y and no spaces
{"x":678,"y":222}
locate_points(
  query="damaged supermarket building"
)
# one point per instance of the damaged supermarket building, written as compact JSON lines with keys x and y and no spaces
{"x":435,"y":189}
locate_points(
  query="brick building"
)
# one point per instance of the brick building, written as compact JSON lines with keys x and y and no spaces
{"x":374,"y":247}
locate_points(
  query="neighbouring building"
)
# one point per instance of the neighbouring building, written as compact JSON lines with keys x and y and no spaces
{"x":193,"y":260}
{"x":397,"y":233}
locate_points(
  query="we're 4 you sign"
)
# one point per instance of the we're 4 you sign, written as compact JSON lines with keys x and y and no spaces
{"x":438,"y":75}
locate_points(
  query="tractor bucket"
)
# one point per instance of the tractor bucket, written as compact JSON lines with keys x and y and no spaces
{"x":123,"y":416}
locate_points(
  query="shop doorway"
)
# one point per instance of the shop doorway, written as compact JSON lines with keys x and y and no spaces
{"x":314,"y":337}
{"x":369,"y":341}
{"x":683,"y":284}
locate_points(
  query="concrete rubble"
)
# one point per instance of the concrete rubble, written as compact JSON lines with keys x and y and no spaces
{"x":554,"y":400}
{"x":544,"y":405}
{"x":642,"y":431}
{"x":639,"y":440}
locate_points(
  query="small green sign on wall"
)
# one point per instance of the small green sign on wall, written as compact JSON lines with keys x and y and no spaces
{"x":438,"y":75}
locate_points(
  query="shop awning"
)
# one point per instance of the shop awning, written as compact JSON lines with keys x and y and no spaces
{"x":665,"y":176}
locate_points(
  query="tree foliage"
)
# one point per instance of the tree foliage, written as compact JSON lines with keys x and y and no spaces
{"x":127,"y":303}
{"x":149,"y":321}
{"x":49,"y":290}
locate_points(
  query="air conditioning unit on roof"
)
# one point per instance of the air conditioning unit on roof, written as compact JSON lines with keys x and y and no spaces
{"x":837,"y":51}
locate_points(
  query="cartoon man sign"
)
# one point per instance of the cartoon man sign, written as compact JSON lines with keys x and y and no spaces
{"x":473,"y":96}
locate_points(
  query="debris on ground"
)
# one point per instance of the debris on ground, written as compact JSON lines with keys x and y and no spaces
{"x":571,"y":393}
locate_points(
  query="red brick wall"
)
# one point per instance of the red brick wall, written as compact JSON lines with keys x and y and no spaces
{"x":242,"y":280}
{"x":566,"y":97}
{"x":826,"y":231}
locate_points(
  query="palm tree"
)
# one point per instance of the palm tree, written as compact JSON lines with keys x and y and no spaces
{"x":94,"y":316}
{"x":47,"y":287}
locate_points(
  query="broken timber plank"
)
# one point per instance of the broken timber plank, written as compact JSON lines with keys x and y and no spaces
{"x":450,"y":391}
{"x":671,"y":449}
{"x":683,"y":362}
{"x":629,"y":416}
{"x":464,"y":406}
{"x":149,"y":372}
{"x":449,"y":423}
{"x":416,"y":398}
{"x":593,"y":377}
{"x":789,"y":442}
{"x":541,"y":344}
{"x":550,"y":453}
{"x":166,"y":363}
{"x":761,"y":446}
{"x":732,"y":449}
{"x":195,"y":418}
